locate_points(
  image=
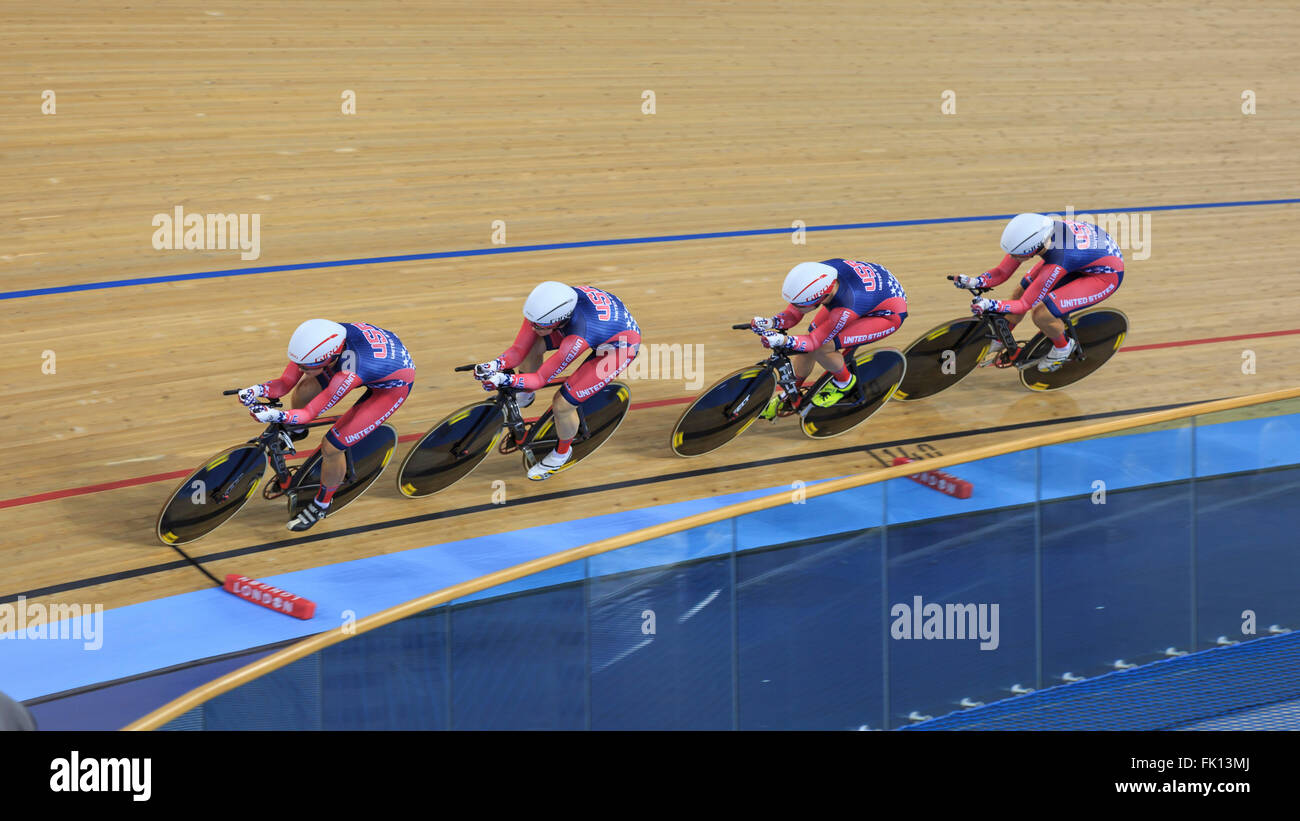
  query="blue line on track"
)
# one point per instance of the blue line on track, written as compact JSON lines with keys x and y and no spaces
{"x":555,"y":246}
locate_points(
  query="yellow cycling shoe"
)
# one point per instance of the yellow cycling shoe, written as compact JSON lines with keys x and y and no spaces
{"x":830,"y":393}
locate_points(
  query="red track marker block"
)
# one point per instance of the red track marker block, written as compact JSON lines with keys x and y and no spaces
{"x":940,"y":481}
{"x":281,"y":601}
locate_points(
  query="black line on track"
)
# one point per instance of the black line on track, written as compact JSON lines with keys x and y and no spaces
{"x":565,"y":494}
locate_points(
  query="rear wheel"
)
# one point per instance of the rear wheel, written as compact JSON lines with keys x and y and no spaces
{"x":369,"y":457}
{"x":942,"y":357}
{"x":724,"y":411}
{"x":879,"y":373}
{"x":211,"y":494}
{"x":452,"y":449}
{"x":602,"y":414}
{"x":1100,"y":332}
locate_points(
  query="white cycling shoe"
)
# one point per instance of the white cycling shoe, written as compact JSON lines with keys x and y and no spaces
{"x":551,"y":464}
{"x":995,"y":347}
{"x":1056,"y":357}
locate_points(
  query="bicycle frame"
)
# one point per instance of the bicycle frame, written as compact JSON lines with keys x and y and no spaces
{"x":277,"y":443}
{"x":778,"y":361}
{"x":996,"y":325}
{"x":514,"y":423}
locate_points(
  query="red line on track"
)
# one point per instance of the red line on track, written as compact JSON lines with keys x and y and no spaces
{"x":681,"y":400}
{"x":1207,"y":341}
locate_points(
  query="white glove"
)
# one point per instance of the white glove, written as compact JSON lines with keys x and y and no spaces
{"x":251,"y":394}
{"x":983,"y":305}
{"x":269,"y":415}
{"x":963,"y":281}
{"x":762,"y":323}
{"x":487,"y":368}
{"x":775,"y":341}
{"x":495,"y":380}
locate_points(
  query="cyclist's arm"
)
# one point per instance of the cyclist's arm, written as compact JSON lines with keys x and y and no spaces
{"x":522,"y":345}
{"x":339,"y":386}
{"x":835,"y":322}
{"x":1042,"y":278}
{"x":570,"y":348}
{"x":285,"y":383}
{"x":994,"y":277}
{"x":787,"y":318}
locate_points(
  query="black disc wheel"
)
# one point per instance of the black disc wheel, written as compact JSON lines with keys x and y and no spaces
{"x":724,"y":411}
{"x":211,"y":494}
{"x":878,"y":374}
{"x":451,"y":449}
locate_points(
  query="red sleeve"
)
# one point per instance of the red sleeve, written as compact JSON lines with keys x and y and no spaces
{"x":334,"y":392}
{"x":835,"y":322}
{"x":787,"y":318}
{"x":523,"y":344}
{"x":996,"y":276}
{"x":287,"y":381}
{"x":570,"y":348}
{"x":1042,"y":278}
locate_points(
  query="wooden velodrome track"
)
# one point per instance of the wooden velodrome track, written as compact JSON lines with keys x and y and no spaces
{"x":765,"y":113}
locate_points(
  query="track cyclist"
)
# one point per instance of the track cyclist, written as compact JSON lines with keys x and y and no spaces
{"x":1081,"y":265}
{"x":327,"y":360}
{"x":856,"y":303}
{"x":569,"y":321}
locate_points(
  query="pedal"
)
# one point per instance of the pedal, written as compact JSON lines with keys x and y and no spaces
{"x":272,"y":489}
{"x":1010,"y":357}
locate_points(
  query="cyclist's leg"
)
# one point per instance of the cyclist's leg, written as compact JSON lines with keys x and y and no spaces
{"x":597,"y":371}
{"x":533,"y":361}
{"x":803,"y":362}
{"x":871,"y":328}
{"x":1075,"y":292}
{"x":307,"y":389}
{"x":861,"y":331}
{"x":1014,"y":319}
{"x":361,"y":420}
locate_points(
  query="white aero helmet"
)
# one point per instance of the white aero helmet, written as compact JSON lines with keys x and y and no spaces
{"x":316,"y":342}
{"x":808,"y":282}
{"x":1026,"y":233}
{"x":550,"y":304}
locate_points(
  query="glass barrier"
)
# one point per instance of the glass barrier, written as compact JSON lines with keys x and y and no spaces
{"x":876,"y":607}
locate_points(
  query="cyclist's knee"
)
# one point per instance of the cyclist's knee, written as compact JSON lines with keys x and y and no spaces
{"x":560,"y":404}
{"x":305,"y":391}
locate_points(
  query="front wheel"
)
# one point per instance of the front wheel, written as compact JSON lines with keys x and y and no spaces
{"x":211,"y":494}
{"x":451,"y":449}
{"x":723,"y":412}
{"x":942,"y":357}
{"x":602,"y":414}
